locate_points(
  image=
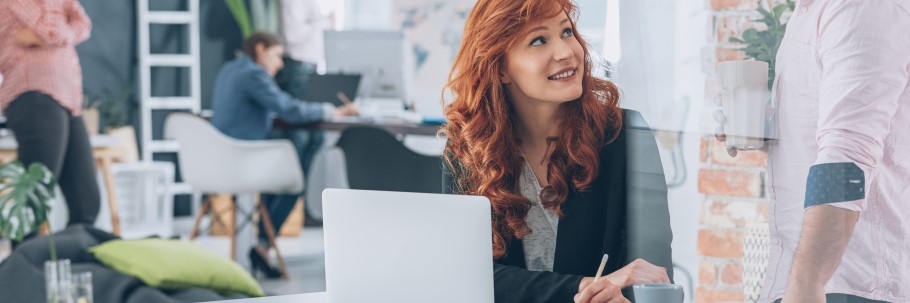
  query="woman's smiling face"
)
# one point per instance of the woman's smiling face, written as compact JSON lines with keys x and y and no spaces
{"x":546,"y":64}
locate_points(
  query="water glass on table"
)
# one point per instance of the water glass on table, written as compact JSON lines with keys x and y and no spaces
{"x":57,"y":280}
{"x":82,"y":287}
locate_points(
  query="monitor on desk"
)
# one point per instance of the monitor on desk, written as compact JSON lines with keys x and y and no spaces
{"x":381,"y":57}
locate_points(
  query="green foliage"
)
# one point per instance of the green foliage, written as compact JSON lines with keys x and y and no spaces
{"x":241,"y":15}
{"x":25,"y":198}
{"x":763,"y":45}
{"x":113,"y":107}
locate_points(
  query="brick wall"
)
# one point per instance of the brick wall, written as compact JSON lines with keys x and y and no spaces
{"x":733,"y":188}
{"x":734,"y":197}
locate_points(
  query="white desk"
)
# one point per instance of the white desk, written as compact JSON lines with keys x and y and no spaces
{"x":316,"y":297}
{"x":341,"y":123}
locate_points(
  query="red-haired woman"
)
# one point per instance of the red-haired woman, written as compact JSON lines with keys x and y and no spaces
{"x":570,"y":175}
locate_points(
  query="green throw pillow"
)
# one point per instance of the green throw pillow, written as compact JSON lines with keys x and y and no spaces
{"x":174,"y":264}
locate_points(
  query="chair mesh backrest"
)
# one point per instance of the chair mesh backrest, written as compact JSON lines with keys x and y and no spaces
{"x":376,"y":160}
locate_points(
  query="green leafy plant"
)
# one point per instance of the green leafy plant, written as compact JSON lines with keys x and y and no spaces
{"x":763,"y":45}
{"x":25,"y":200}
{"x":241,"y":15}
{"x":114,"y":107}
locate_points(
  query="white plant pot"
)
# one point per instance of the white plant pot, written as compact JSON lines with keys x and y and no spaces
{"x":126,"y":143}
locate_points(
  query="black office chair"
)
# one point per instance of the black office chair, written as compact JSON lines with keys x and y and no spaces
{"x":376,"y":160}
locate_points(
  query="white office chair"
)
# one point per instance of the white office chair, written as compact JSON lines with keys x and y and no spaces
{"x":212,"y":162}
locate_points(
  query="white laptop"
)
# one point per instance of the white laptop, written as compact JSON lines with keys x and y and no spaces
{"x":407,"y":247}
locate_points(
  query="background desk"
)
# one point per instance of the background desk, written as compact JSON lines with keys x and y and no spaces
{"x":316,"y":297}
{"x":398,"y":128}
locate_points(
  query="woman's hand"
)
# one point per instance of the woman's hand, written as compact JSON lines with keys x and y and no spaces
{"x":639,"y":271}
{"x":25,"y":37}
{"x":602,"y":291}
{"x":346,"y":110}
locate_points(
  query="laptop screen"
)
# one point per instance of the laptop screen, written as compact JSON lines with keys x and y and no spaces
{"x":325,"y":88}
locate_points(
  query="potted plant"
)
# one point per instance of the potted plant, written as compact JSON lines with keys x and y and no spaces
{"x":763,"y":45}
{"x":26,"y":197}
{"x":109,"y":114}
{"x":114,"y":111}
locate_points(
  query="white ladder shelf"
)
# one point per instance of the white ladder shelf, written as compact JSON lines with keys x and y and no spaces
{"x":148,"y":61}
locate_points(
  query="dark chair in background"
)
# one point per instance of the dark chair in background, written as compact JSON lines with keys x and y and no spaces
{"x":376,"y":160}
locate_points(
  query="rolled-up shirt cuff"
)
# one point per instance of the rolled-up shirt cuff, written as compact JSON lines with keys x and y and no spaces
{"x":841,"y":185}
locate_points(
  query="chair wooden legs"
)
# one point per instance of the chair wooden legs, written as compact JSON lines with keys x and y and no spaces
{"x":302,"y":213}
{"x":232,"y":229}
{"x":104,"y":165}
{"x":270,"y":232}
{"x":206,"y":204}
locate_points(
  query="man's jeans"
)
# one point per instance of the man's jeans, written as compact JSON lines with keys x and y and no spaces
{"x":292,"y":79}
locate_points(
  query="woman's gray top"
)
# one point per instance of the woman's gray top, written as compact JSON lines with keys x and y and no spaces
{"x":540,"y":244}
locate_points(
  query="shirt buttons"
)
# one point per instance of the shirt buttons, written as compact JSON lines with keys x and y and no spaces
{"x":804,"y":9}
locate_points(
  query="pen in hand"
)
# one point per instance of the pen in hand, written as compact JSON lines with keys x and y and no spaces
{"x":600,"y":270}
{"x":348,"y":109}
{"x":344,"y":98}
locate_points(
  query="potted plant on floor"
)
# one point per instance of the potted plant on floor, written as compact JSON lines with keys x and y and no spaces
{"x":26,"y":197}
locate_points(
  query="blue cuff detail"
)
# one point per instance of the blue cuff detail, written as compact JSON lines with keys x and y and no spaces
{"x":833,"y":183}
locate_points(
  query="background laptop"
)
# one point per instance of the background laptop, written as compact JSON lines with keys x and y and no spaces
{"x":325,"y":88}
{"x":407,"y":247}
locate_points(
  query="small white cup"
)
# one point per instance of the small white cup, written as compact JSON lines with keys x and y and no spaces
{"x":658,"y":293}
{"x":744,"y":99}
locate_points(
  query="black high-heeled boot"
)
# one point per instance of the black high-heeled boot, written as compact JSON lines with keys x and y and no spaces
{"x":259,"y":264}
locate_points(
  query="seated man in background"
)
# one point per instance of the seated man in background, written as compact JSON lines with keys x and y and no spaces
{"x":246,"y":101}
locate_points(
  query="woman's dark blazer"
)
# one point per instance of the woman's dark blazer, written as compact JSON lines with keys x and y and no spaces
{"x":623,"y":213}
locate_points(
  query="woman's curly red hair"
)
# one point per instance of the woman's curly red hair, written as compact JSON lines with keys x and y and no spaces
{"x":483,"y":152}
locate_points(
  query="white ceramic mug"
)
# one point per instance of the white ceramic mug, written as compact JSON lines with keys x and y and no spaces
{"x":658,"y":293}
{"x":744,"y":98}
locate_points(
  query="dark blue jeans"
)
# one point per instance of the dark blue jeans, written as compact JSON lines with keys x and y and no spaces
{"x":292,"y":79}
